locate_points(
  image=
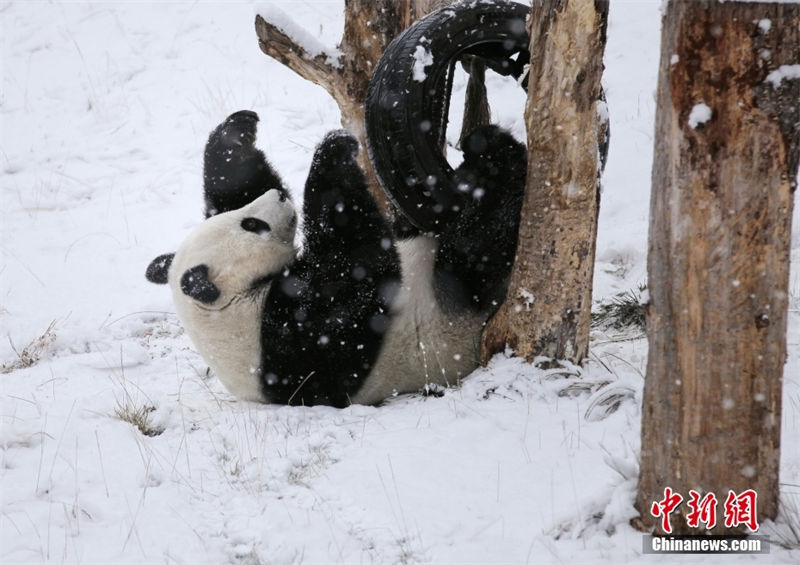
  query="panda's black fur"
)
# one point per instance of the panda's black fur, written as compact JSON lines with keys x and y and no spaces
{"x":338,"y":319}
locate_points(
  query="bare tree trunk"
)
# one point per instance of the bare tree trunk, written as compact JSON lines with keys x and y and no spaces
{"x":547,"y":310}
{"x":369,"y":27}
{"x":726,"y":158}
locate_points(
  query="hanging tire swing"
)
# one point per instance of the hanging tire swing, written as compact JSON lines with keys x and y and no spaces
{"x":409,"y":94}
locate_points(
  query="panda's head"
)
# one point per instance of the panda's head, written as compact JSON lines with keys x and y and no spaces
{"x":230,"y":256}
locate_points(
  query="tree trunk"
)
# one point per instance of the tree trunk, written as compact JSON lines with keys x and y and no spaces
{"x":547,"y":310}
{"x":724,"y":175}
{"x":369,"y":27}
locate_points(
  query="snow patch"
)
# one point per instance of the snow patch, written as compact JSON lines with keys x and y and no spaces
{"x":423,"y":58}
{"x":311,"y":45}
{"x":602,"y":111}
{"x":699,"y":115}
{"x":527,"y":298}
{"x":784,"y":72}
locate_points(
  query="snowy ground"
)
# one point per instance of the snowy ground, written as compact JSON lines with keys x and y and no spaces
{"x":104,"y":111}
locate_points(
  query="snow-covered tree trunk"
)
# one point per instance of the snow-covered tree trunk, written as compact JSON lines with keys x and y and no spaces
{"x":369,"y":27}
{"x":727,"y":144}
{"x":547,"y":310}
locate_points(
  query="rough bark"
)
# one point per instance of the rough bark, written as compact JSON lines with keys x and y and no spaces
{"x":547,"y":310}
{"x":718,"y":265}
{"x":369,"y":27}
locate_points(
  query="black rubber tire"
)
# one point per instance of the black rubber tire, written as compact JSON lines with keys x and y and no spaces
{"x":406,"y":114}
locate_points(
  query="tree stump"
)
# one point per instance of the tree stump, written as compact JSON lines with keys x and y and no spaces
{"x":726,"y":157}
{"x":547,"y":310}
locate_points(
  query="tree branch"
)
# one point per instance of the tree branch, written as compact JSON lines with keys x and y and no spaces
{"x":279,"y":45}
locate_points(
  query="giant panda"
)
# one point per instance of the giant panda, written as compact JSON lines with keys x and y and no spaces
{"x":363,"y":310}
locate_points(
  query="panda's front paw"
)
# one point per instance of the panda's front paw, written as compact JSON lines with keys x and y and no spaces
{"x":235,"y":172}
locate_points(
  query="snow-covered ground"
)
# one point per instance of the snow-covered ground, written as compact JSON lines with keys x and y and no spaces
{"x":104,"y":112}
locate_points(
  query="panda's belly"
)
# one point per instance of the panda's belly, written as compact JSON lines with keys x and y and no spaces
{"x":424,"y":345}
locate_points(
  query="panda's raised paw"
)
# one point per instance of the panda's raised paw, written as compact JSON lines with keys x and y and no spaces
{"x":238,"y":129}
{"x":235,"y":171}
{"x":338,"y":147}
{"x":336,"y":181}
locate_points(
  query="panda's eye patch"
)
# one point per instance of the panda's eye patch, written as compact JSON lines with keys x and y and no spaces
{"x":258,"y":227}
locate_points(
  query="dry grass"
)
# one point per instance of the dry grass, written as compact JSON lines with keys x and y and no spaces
{"x":138,"y":415}
{"x":31,"y":353}
{"x":625,"y":311}
{"x":787,"y":532}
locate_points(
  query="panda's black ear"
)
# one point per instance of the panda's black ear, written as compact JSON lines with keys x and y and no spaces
{"x":195,"y":284}
{"x":158,"y":269}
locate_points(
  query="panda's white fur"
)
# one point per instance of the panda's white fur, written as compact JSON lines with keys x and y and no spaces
{"x":226,"y":333}
{"x":423,"y":345}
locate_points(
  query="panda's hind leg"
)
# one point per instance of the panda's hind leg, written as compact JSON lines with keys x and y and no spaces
{"x":477,"y":249}
{"x":235,"y":172}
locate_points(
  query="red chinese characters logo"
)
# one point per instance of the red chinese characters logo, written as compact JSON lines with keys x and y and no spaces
{"x":739,"y":509}
{"x":667,"y":506}
{"x":702,"y":510}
